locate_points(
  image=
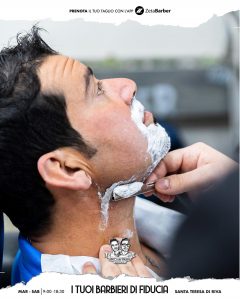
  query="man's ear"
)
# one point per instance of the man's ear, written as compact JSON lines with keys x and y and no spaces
{"x":63,"y":169}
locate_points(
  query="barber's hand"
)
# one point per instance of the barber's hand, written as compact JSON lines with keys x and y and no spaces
{"x":108,"y":269}
{"x":192,"y":168}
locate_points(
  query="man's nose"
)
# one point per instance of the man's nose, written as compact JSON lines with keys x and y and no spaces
{"x":124,"y":87}
{"x":127,"y":90}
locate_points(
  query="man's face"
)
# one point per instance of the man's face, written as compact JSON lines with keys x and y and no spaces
{"x":125,"y":246}
{"x":101,"y":112}
{"x":115,"y":246}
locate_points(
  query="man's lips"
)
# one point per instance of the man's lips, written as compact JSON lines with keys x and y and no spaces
{"x":148,"y":118}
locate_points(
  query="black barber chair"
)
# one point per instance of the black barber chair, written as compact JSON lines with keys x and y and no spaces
{"x":8,"y":250}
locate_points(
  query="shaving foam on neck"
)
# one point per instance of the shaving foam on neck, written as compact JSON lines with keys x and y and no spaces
{"x":105,"y":199}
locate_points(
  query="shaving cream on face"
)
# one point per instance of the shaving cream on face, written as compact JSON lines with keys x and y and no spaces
{"x":157,"y":138}
{"x":158,"y":146}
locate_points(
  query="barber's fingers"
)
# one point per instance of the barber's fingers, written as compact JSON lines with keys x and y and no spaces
{"x":159,"y":172}
{"x":191,"y":168}
{"x":89,"y":268}
{"x":179,"y":183}
{"x":178,"y":161}
{"x":109,"y":269}
{"x":140,"y":268}
{"x":164,"y":198}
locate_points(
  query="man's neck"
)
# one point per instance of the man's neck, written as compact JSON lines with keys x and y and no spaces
{"x":78,"y":231}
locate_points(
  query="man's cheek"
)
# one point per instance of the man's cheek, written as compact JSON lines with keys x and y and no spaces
{"x":118,"y":130}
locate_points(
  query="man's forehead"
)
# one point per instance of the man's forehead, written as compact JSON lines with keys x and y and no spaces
{"x":63,"y":63}
{"x":58,"y":70}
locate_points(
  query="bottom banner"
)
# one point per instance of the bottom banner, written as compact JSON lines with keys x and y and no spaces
{"x":62,"y":286}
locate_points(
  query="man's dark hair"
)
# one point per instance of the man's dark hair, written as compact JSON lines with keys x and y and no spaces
{"x":31,"y":124}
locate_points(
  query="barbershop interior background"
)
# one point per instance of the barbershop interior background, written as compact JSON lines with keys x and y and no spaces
{"x":188,"y":77}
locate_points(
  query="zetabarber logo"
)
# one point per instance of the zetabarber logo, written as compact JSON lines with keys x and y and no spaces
{"x":139,"y":10}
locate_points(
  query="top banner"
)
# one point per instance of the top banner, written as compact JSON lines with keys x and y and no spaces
{"x":184,"y":13}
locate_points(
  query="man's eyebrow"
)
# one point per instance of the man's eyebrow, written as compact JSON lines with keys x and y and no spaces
{"x":87,"y":76}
